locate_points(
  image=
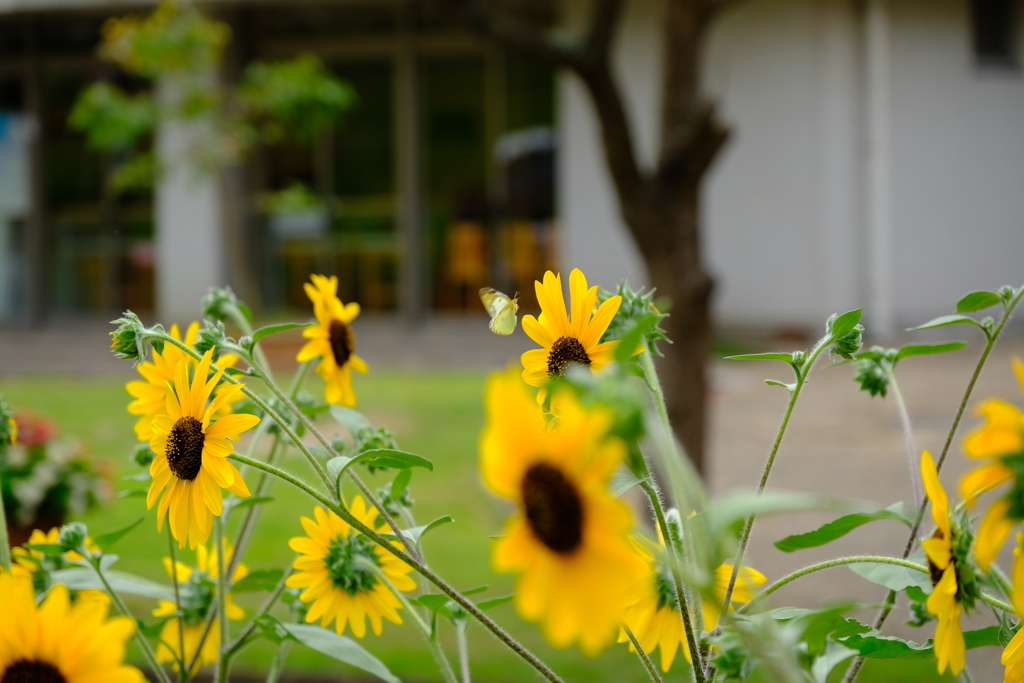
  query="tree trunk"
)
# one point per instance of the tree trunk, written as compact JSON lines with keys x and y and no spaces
{"x":675,"y":269}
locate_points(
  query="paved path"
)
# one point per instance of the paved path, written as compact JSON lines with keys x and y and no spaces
{"x":840,"y":442}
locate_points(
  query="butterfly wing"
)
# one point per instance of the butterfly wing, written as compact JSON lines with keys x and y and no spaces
{"x":502,"y":310}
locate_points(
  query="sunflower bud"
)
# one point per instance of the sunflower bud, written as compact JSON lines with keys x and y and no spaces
{"x":873,"y":370}
{"x":143,"y":455}
{"x":847,"y":338}
{"x":72,"y":537}
{"x":213,"y":336}
{"x":128,"y":340}
{"x":635,"y":307}
{"x":221,"y":304}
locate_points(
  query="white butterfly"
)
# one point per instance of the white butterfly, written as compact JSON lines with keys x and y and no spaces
{"x":502,"y":310}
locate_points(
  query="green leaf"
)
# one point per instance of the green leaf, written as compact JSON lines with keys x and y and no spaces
{"x":401,"y":483}
{"x":133,"y":493}
{"x":79,"y":578}
{"x":417,"y":532}
{"x":977,"y":301}
{"x":845,"y":323}
{"x":622,"y":482}
{"x":777,"y":383}
{"x":474,"y":591}
{"x":45,"y":548}
{"x":785,"y":357}
{"x":494,"y":602}
{"x":105,"y":541}
{"x":246,"y":311}
{"x":838,"y":528}
{"x":249,"y":502}
{"x":382,"y":457}
{"x":944,"y":320}
{"x":929,"y":349}
{"x":352,"y":420}
{"x":258,"y":580}
{"x":982,"y":637}
{"x":274,"y":329}
{"x":340,"y":648}
{"x":877,"y":645}
{"x":435,"y":602}
{"x":731,"y":509}
{"x":154,"y":630}
{"x":892,"y":576}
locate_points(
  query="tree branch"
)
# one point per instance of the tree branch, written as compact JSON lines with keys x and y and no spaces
{"x":689,"y":147}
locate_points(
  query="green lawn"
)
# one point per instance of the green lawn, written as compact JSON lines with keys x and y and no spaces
{"x":438,"y":415}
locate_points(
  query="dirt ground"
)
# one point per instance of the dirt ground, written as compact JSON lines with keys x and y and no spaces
{"x":840,"y":442}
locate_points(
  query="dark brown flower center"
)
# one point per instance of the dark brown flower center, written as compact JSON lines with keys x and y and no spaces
{"x":553,"y":508}
{"x":185,"y":448}
{"x":343,"y":342}
{"x":566,"y":350}
{"x":31,"y":671}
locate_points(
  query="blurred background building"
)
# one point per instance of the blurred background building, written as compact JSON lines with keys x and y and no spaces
{"x":877,"y":160}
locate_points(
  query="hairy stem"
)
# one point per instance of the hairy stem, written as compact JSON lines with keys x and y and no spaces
{"x":652,"y":671}
{"x":223,"y":661}
{"x":801,"y":379}
{"x":908,"y":438}
{"x":238,"y":643}
{"x":147,"y":651}
{"x":828,"y":564}
{"x":419,"y":566}
{"x":183,"y":674}
{"x":460,"y":640}
{"x":430,"y":634}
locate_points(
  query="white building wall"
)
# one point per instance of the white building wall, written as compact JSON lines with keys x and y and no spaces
{"x":788,"y":204}
{"x":958,"y":162}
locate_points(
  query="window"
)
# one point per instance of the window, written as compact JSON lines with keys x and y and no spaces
{"x":994,"y":25}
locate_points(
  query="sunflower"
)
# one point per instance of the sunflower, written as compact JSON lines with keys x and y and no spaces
{"x":150,"y":395}
{"x":332,"y":567}
{"x":655,"y":619}
{"x":568,"y":541}
{"x":60,"y":641}
{"x":1013,"y":654}
{"x":34,"y":565}
{"x":567,"y":339}
{"x":1000,"y":440}
{"x":197,"y":590}
{"x":942,"y":566}
{"x":332,"y":341}
{"x":191,"y":450}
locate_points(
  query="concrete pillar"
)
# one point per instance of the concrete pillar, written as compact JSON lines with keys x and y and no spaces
{"x":189,"y":241}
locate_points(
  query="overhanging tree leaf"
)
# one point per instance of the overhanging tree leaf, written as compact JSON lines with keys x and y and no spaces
{"x":839,"y":527}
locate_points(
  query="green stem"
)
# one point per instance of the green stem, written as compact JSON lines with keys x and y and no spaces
{"x":428,"y":633}
{"x":828,"y":564}
{"x":801,"y":378}
{"x":277,"y":665}
{"x":240,"y":642}
{"x":223,"y":661}
{"x":183,"y":674}
{"x":674,"y":551}
{"x":5,"y":542}
{"x":147,"y":651}
{"x":419,"y":566}
{"x":652,"y":671}
{"x":908,"y":438}
{"x":997,"y":603}
{"x":460,"y":640}
{"x":692,"y":643}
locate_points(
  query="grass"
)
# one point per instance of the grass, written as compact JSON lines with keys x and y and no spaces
{"x":438,"y":415}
